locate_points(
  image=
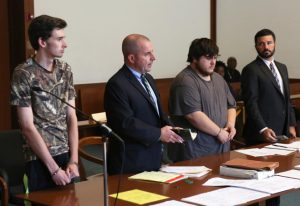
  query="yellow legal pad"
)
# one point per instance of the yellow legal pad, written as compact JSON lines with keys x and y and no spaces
{"x":139,"y":197}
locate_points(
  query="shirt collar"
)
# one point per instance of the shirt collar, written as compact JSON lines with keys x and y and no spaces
{"x":266,"y":61}
{"x":134,"y":72}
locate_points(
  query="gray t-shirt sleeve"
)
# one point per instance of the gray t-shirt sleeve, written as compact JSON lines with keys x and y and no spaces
{"x":231,"y":103}
{"x":185,"y":100}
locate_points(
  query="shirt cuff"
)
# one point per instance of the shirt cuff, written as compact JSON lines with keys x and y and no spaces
{"x":262,"y":130}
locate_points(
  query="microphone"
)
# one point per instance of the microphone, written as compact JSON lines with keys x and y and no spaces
{"x":104,"y":128}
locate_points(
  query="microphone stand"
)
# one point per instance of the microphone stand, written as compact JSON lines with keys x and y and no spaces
{"x":107,"y":132}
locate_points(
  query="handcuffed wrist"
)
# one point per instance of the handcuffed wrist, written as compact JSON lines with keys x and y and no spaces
{"x":219,"y":132}
{"x":55,"y":172}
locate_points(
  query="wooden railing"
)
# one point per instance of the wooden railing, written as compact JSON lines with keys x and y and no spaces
{"x":90,"y":96}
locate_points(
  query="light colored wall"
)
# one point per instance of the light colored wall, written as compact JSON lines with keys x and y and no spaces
{"x":239,"y":20}
{"x":96,"y":29}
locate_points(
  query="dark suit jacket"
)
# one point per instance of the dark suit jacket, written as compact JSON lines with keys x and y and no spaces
{"x":132,"y":115}
{"x":265,"y":105}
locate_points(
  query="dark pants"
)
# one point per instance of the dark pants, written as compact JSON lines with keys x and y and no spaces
{"x":39,"y":176}
{"x":275,"y":201}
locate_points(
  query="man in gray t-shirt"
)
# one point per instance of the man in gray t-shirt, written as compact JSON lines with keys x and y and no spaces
{"x":201,"y":100}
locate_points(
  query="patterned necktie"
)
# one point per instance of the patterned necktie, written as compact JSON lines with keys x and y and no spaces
{"x":274,"y":73}
{"x":147,"y":86}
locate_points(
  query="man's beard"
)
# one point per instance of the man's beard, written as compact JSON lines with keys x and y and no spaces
{"x":266,"y":53}
{"x":203,"y":72}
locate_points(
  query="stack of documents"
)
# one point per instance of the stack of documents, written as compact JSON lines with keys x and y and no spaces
{"x":248,"y":169}
{"x":154,"y":176}
{"x":189,"y":171}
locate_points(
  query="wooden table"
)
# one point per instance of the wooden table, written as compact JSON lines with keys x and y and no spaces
{"x":90,"y":193}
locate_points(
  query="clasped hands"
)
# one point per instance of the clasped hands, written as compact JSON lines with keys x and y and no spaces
{"x":64,"y":177}
{"x":226,"y":134}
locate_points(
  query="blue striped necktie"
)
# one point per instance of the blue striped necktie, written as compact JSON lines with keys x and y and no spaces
{"x":147,"y":87}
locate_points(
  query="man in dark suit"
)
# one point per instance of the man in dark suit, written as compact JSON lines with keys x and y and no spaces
{"x":265,"y":91}
{"x":134,"y":111}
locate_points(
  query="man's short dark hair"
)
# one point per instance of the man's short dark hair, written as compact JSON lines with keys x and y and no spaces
{"x":202,"y":47}
{"x":42,"y":27}
{"x":264,"y":32}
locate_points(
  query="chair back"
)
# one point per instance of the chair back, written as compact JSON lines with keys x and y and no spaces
{"x":12,"y":158}
{"x":83,"y":153}
{"x":12,"y":162}
{"x":3,"y":192}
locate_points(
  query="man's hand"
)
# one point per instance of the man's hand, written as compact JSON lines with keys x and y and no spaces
{"x":292,"y":131}
{"x":60,"y":177}
{"x":223,"y":136}
{"x":72,"y":170}
{"x":167,"y":135}
{"x":269,"y":135}
{"x":231,"y":130}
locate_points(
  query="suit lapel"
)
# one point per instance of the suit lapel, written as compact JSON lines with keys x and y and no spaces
{"x":132,"y":79}
{"x":284,"y":80}
{"x":269,"y":74}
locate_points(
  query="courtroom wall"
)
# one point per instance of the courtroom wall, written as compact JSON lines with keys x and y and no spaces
{"x":238,"y":21}
{"x":96,"y":29}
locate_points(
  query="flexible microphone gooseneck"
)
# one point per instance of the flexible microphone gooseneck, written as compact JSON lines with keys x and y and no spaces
{"x":106,"y":131}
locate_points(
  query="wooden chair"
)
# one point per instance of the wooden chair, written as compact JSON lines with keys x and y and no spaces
{"x":12,"y":162}
{"x":4,"y":188}
{"x":4,"y":192}
{"x":86,"y":141}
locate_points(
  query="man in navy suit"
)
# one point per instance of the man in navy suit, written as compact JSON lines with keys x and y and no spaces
{"x":265,"y":91}
{"x":134,"y":111}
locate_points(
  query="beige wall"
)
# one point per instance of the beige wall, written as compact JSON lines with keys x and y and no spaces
{"x":97,"y":27}
{"x":239,"y":20}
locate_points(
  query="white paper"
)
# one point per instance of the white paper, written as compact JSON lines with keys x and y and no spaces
{"x":271,"y":185}
{"x":294,"y":145}
{"x":256,"y":152}
{"x":278,"y":148}
{"x":173,"y":203}
{"x":218,"y":181}
{"x":190,"y":171}
{"x":226,"y":196}
{"x":290,"y":173}
{"x":184,"y":169}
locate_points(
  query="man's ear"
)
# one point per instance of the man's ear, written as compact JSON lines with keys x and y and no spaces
{"x":194,"y":60}
{"x":131,"y":58}
{"x":42,"y":43}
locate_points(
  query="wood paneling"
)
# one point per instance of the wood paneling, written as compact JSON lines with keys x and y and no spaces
{"x":4,"y":67}
{"x":19,"y":15}
{"x":213,"y":20}
{"x":90,"y":96}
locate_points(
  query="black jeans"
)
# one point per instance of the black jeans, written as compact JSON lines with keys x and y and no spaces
{"x":39,"y":176}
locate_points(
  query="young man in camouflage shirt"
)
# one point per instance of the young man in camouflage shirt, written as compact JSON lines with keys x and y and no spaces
{"x":48,"y":125}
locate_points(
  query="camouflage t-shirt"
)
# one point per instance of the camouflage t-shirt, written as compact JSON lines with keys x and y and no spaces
{"x":49,"y":113}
